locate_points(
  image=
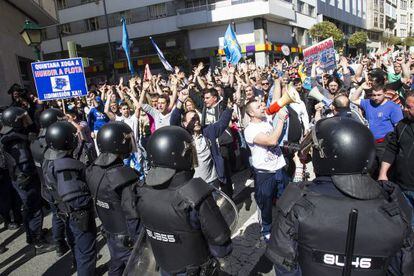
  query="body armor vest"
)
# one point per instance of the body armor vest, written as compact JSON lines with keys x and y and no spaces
{"x":38,"y":148}
{"x":323,"y":232}
{"x":175,"y":243}
{"x":50,"y":187}
{"x":103,"y":182}
{"x":18,"y":158}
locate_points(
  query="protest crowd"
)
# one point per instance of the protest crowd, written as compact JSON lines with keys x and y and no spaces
{"x":240,"y":117}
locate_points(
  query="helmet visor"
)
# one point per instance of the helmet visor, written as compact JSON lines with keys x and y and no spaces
{"x":130,"y":138}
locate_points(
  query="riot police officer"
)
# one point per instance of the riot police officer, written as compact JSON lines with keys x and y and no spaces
{"x":64,"y":178}
{"x":182,"y":221}
{"x":38,"y":148}
{"x":112,"y":185}
{"x":310,"y":233}
{"x":9,"y":199}
{"x":15,"y":146}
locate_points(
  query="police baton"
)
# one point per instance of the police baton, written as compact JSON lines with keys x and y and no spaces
{"x":350,"y":242}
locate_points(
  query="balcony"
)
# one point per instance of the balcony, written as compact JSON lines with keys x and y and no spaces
{"x":43,"y":12}
{"x":278,"y":10}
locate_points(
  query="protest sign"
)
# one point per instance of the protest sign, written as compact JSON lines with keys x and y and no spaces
{"x":59,"y":79}
{"x":324,"y":52}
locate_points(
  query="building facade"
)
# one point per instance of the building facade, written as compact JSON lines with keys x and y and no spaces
{"x":189,"y":31}
{"x":375,"y":23}
{"x":15,"y":55}
{"x":404,"y":21}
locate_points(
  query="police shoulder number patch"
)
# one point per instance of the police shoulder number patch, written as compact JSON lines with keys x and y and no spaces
{"x":358,"y":262}
{"x":162,"y":237}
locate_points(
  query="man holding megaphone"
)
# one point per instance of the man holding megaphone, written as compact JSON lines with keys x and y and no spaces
{"x":267,"y":158}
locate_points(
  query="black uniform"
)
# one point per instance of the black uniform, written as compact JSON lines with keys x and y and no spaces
{"x":9,"y":199}
{"x":113,"y":185}
{"x":22,"y":172}
{"x":185,"y":226}
{"x":38,"y":148}
{"x":310,"y":231}
{"x":64,"y":178}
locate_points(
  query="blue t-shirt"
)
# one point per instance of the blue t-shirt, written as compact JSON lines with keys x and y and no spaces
{"x":96,"y":119}
{"x":381,"y":118}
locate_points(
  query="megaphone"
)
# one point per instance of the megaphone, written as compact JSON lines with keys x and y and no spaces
{"x":292,"y":96}
{"x":314,"y":93}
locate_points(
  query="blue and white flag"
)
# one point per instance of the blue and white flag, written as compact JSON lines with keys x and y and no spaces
{"x":126,"y":44}
{"x":231,"y":46}
{"x":164,"y":61}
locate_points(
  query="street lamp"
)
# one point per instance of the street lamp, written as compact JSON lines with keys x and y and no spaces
{"x":32,"y":35}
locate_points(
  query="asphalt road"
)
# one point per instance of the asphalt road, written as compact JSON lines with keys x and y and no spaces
{"x":246,"y":258}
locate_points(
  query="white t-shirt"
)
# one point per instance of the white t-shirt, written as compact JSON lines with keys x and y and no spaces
{"x":205,"y":169}
{"x":160,"y":119}
{"x":132,"y":122}
{"x":269,"y":158}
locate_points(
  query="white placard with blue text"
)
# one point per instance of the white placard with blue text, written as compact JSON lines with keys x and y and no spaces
{"x":59,"y":79}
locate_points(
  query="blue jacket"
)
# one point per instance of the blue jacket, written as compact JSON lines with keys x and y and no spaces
{"x":211,"y":132}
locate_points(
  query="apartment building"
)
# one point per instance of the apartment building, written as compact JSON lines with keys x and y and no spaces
{"x":15,"y":55}
{"x":375,"y":23}
{"x":189,"y":31}
{"x":404,"y":21}
{"x":348,"y":15}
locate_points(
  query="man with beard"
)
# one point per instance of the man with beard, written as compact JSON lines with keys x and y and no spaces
{"x":210,"y":163}
{"x":400,"y":153}
{"x":382,"y":115}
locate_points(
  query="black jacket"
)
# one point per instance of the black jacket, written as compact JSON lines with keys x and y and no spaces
{"x":400,"y":153}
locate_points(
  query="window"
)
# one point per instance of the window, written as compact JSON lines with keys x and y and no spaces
{"x":300,"y":6}
{"x":65,"y":29}
{"x":403,"y":19}
{"x":381,"y":5}
{"x":403,"y":4}
{"x":312,"y":11}
{"x":403,"y":32}
{"x":354,"y":7}
{"x":348,"y":6}
{"x":381,"y":21}
{"x":92,"y":24}
{"x":376,"y":20}
{"x":157,"y":11}
{"x":61,"y":4}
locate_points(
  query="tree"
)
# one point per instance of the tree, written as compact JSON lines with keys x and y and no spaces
{"x":326,"y":29}
{"x":392,"y":40}
{"x":409,"y":41}
{"x":358,"y":39}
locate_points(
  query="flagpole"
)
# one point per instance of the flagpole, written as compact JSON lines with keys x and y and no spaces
{"x":111,"y":57}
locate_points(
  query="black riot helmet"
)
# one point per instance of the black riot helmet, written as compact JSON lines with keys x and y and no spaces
{"x":342,"y":146}
{"x":14,"y":118}
{"x":170,"y":149}
{"x":116,"y":138}
{"x":49,"y":116}
{"x":61,"y":136}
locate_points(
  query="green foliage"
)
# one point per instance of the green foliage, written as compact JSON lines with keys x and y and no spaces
{"x":392,"y":40}
{"x":409,"y":41}
{"x":326,"y":29}
{"x":358,"y":39}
